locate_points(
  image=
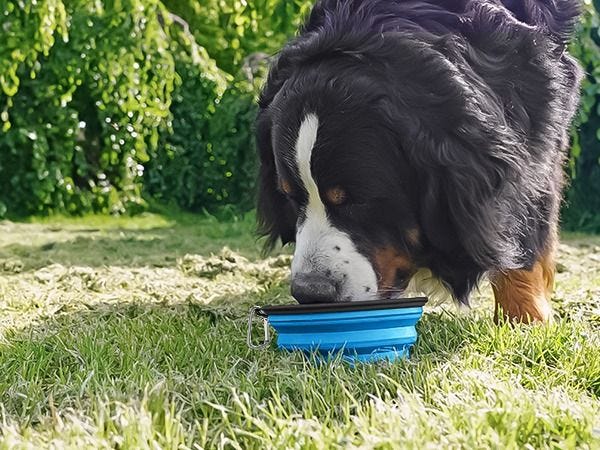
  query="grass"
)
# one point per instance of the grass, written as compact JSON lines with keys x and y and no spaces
{"x":130,"y":333}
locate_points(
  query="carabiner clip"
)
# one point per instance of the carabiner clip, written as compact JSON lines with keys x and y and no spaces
{"x":266,"y":339}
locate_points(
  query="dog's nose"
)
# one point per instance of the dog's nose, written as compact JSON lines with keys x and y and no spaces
{"x":313,"y":288}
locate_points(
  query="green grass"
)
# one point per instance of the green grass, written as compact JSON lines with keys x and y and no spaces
{"x":128,"y":333}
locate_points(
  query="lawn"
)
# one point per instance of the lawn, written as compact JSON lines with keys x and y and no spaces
{"x":130,"y":333}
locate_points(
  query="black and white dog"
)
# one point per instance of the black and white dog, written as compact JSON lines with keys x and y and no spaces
{"x":407,"y":140}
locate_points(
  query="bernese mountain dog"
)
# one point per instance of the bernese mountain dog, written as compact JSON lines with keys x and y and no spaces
{"x":406,"y":141}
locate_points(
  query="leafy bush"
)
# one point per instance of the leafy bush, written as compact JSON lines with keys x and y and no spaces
{"x":83,"y":102}
{"x":103,"y":103}
{"x":232,"y":143}
{"x":231,"y":30}
{"x":208,"y":158}
{"x":582,"y":208}
{"x":208,"y":161}
{"x":98,"y":97}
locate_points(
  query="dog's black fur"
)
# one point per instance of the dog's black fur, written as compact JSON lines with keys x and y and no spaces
{"x":448,"y":116}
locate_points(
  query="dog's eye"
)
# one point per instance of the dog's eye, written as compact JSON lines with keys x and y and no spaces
{"x":336,"y":196}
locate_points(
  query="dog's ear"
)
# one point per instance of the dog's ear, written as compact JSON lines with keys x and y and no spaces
{"x":472,"y":198}
{"x":468,"y":195}
{"x":276,"y":216}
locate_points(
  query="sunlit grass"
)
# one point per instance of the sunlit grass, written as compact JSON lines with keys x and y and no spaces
{"x":127,"y":333}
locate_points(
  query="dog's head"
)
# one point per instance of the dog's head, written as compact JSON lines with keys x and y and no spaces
{"x":334,"y":182}
{"x":381,"y":154}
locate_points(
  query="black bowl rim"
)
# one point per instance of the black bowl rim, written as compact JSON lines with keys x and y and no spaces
{"x":409,"y":302}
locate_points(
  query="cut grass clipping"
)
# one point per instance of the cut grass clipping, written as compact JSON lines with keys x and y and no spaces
{"x":130,"y":333}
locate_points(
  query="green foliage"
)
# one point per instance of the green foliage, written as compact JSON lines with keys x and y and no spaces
{"x":81,"y":112}
{"x":582,"y":211}
{"x":232,"y":147}
{"x":208,"y":160}
{"x":29,"y":30}
{"x":233,"y":29}
{"x":105,"y":103}
{"x":102,"y":101}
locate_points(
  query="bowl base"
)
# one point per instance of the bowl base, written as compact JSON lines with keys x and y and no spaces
{"x":383,"y":355}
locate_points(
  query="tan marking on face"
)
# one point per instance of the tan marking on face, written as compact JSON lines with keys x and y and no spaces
{"x":524,"y":295}
{"x":389,"y":261}
{"x":285,"y":186}
{"x":335,"y":196}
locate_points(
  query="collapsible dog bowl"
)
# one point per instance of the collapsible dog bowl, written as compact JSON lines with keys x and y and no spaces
{"x":365,"y":331}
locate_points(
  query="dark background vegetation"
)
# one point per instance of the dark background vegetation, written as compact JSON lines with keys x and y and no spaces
{"x":111,"y":106}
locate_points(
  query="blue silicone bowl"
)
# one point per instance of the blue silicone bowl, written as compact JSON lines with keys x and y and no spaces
{"x":366,"y":331}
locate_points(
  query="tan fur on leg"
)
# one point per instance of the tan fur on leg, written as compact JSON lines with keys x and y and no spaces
{"x":524,"y":295}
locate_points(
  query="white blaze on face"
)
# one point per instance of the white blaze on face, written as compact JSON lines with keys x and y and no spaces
{"x":320,"y":247}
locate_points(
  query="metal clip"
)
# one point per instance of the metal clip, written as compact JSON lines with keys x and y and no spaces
{"x":266,"y":338}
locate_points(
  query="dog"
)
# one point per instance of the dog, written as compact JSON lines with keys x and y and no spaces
{"x":406,"y":143}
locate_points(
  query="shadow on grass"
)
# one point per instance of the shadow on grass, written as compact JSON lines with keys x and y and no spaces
{"x":151,"y":240}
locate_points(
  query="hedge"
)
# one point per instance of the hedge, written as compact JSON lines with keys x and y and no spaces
{"x":106,"y":104}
